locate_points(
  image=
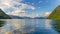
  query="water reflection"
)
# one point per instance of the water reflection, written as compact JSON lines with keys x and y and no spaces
{"x":48,"y":24}
{"x":27,"y":26}
{"x":1,"y":23}
{"x":56,"y":25}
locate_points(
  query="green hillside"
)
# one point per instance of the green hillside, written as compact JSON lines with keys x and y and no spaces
{"x":55,"y":14}
{"x":3,"y":15}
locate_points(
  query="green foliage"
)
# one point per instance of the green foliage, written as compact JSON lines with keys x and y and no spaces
{"x":55,"y":14}
{"x":3,"y":15}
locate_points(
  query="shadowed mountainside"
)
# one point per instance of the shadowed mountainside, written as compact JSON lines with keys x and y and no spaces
{"x":3,"y":15}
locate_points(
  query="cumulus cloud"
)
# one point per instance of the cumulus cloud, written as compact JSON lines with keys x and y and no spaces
{"x":24,"y":13}
{"x":10,"y":3}
{"x":15,"y":7}
{"x":20,"y":12}
{"x":27,"y":6}
{"x":47,"y":13}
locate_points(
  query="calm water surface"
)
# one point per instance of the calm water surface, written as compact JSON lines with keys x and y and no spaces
{"x":27,"y":26}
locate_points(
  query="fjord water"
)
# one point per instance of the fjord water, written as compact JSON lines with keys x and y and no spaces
{"x":28,"y":26}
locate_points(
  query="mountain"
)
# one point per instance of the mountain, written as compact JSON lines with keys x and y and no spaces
{"x":55,"y":14}
{"x":15,"y":17}
{"x":25,"y":17}
{"x":3,"y":15}
{"x":40,"y":18}
{"x":18,"y":17}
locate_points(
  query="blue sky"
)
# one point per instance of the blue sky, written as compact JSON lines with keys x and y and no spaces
{"x":31,"y":8}
{"x":42,"y":5}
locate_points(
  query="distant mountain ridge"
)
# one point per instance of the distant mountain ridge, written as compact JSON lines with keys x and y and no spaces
{"x":18,"y":17}
{"x":55,"y":14}
{"x":40,"y":18}
{"x":3,"y":15}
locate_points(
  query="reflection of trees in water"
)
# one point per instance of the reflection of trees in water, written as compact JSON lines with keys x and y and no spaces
{"x":56,"y":25}
{"x":1,"y":23}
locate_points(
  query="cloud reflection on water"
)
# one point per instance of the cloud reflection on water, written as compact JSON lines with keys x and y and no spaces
{"x":28,"y":26}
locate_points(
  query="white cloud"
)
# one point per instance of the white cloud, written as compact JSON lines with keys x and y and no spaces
{"x":17,"y":7}
{"x":5,"y":4}
{"x":47,"y":13}
{"x":19,"y":13}
{"x":10,"y":3}
{"x":23,"y":6}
